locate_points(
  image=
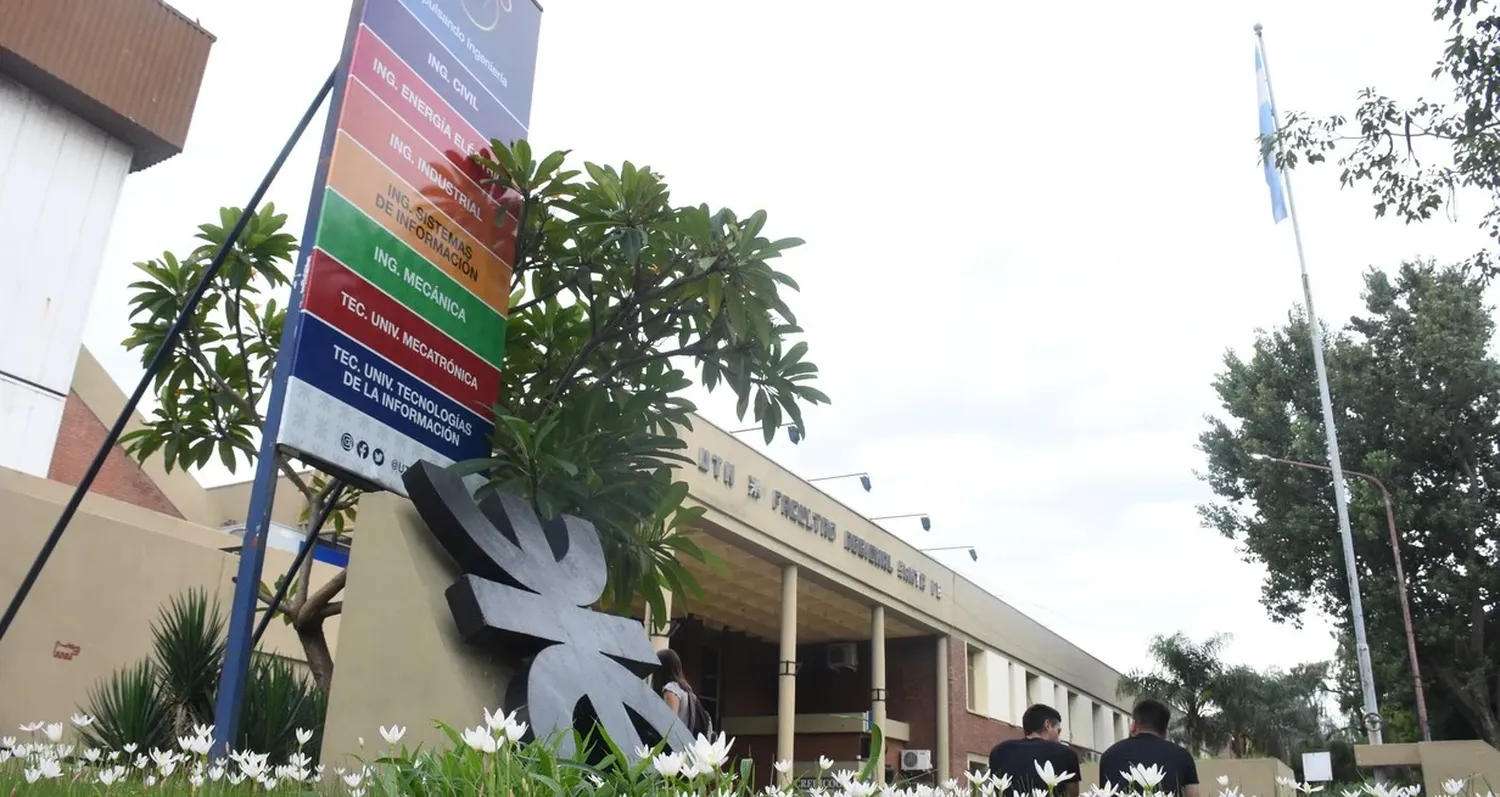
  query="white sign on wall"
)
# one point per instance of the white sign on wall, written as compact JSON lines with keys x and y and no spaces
{"x":1317,"y":767}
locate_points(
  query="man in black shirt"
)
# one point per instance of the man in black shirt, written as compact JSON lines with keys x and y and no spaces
{"x":1020,"y":758}
{"x":1148,"y":747}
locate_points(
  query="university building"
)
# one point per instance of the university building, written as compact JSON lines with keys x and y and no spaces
{"x":824,"y":623}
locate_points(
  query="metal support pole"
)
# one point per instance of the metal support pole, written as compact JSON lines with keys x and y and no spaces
{"x":335,"y":489}
{"x":1336,"y":467}
{"x":167,"y":350}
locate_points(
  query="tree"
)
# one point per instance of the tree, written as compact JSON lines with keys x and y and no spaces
{"x":1271,"y":712}
{"x":1416,"y":156}
{"x":615,"y":294}
{"x":1186,"y":676}
{"x":1414,"y":388}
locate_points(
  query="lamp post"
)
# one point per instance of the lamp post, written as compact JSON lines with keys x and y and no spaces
{"x":973,"y":552}
{"x":793,"y":431}
{"x":926,"y":521}
{"x":864,"y":479}
{"x":1390,"y":519}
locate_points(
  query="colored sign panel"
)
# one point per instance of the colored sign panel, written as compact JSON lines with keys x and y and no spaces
{"x":493,"y":40}
{"x":399,"y":337}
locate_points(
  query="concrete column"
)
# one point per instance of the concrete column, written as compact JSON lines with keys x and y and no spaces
{"x":877,"y":684}
{"x":940,"y":743}
{"x":658,"y":629}
{"x":786,"y":698}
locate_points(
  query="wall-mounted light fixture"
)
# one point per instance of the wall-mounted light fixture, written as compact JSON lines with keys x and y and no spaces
{"x":793,"y":431}
{"x":864,"y":479}
{"x":973,"y":552}
{"x":926,"y":521}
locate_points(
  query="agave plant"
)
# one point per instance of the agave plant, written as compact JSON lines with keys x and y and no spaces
{"x":129,"y":706}
{"x":153,"y":701}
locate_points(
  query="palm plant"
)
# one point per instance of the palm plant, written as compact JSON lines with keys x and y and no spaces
{"x":152,"y":702}
{"x":1187,"y":677}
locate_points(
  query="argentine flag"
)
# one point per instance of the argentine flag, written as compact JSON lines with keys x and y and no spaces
{"x":1268,"y":128}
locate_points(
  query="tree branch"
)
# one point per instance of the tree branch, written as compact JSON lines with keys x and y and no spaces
{"x":318,"y":601}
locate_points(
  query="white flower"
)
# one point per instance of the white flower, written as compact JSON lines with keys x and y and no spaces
{"x":596,"y":780}
{"x":82,"y":720}
{"x":32,"y":727}
{"x":130,"y":747}
{"x":236,"y":778}
{"x":480,"y":739}
{"x":141,"y":761}
{"x":668,"y":765}
{"x":782,"y":766}
{"x":1223,"y":780}
{"x":216,"y":773}
{"x":54,"y":732}
{"x":1453,"y":787}
{"x":91,"y":754}
{"x":196,"y":780}
{"x":195,"y":744}
{"x":392,"y":734}
{"x":1050,"y":776}
{"x":824,"y":763}
{"x":712,"y":753}
{"x":353,"y":779}
{"x":150,"y":780}
{"x":1147,"y":778}
{"x":1108,"y":789}
{"x":642,"y":752}
{"x":31,"y":775}
{"x":7,"y":742}
{"x":110,"y":776}
{"x":304,"y":736}
{"x":357,"y":792}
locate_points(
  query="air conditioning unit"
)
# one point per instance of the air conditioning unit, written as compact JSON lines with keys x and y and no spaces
{"x":843,"y":656}
{"x":916,"y":760}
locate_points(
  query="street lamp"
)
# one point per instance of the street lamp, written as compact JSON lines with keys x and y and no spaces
{"x":926,"y":521}
{"x":793,"y":431}
{"x":1390,"y":519}
{"x":973,"y":553}
{"x":864,"y":479}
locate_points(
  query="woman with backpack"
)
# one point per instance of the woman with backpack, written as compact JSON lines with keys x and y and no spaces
{"x":678,"y":693}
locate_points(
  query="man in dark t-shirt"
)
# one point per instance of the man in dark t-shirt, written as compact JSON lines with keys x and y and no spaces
{"x":1148,"y":747}
{"x":1020,"y":758}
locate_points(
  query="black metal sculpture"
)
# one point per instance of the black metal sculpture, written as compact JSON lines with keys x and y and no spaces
{"x":526,"y":591}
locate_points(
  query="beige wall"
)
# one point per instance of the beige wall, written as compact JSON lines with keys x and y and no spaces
{"x":1255,"y":777}
{"x":403,"y":662}
{"x":963,"y":609}
{"x":103,"y":586}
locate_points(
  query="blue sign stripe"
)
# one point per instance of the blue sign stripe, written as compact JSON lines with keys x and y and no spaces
{"x":336,"y":364}
{"x":414,"y":33}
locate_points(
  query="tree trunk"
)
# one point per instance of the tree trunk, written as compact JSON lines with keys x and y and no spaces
{"x":315,"y":645}
{"x":1476,"y":706}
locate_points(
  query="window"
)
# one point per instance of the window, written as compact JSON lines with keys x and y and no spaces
{"x":971,"y":674}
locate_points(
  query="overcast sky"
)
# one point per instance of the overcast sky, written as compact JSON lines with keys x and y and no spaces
{"x":1033,"y":230}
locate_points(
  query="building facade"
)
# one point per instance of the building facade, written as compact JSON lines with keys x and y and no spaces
{"x":818,"y":623}
{"x":89,"y":92}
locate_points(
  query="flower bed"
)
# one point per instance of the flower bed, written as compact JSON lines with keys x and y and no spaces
{"x":54,"y":759}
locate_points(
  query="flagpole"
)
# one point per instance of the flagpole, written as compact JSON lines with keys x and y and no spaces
{"x":1340,"y":496}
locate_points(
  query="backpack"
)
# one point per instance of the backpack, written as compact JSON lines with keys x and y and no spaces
{"x":699,"y":723}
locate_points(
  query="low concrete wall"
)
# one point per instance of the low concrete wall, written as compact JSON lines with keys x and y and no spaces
{"x":1471,"y":761}
{"x":91,"y":610}
{"x":1255,"y":777}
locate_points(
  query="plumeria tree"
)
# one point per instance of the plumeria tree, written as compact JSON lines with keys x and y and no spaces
{"x":620,"y":301}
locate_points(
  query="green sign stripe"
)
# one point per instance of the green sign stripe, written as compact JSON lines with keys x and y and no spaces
{"x":359,"y":242}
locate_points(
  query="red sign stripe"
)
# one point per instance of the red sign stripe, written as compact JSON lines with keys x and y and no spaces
{"x":431,"y":172}
{"x":361,"y":311}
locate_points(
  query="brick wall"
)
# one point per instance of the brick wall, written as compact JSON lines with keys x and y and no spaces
{"x":972,"y":733}
{"x":78,"y":439}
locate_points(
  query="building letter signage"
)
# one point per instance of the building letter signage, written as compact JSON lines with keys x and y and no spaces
{"x":527,"y":586}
